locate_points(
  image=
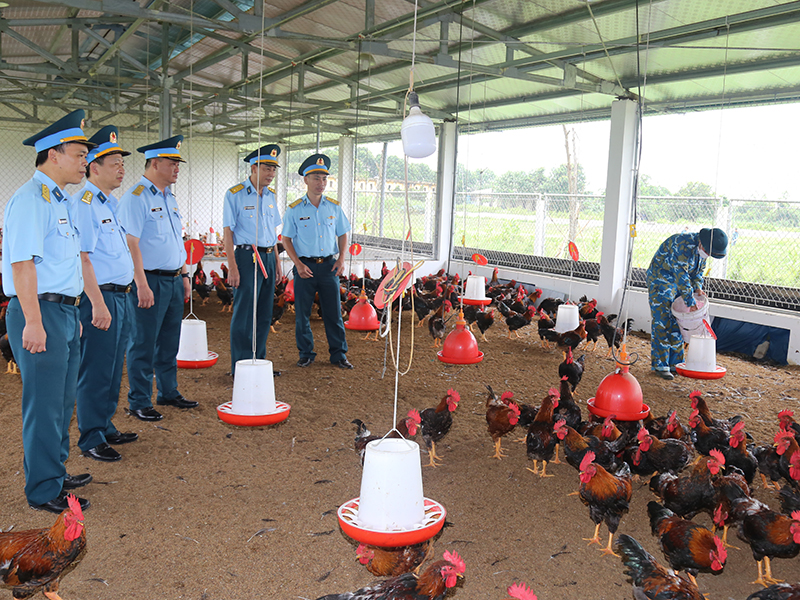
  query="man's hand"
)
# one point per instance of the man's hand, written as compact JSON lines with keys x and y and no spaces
{"x":146,"y":298}
{"x":34,"y":338}
{"x":304,"y":270}
{"x":693,"y":308}
{"x":338,"y":266}
{"x":233,"y":274}
{"x":101,"y":318}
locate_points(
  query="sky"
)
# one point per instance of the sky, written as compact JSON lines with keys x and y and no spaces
{"x":742,"y":152}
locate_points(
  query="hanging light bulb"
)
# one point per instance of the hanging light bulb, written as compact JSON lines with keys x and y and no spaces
{"x":417,"y":131}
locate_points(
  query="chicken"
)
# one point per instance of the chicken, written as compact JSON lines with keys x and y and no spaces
{"x":199,"y":283}
{"x":790,"y":499}
{"x":436,"y":323}
{"x":707,"y":438}
{"x":224,"y":269}
{"x":571,"y":339}
{"x":664,"y":455}
{"x":436,"y":422}
{"x":567,"y":409}
{"x":699,"y":404}
{"x":650,"y":579}
{"x":789,"y":457}
{"x":587,"y":309}
{"x":545,"y":326}
{"x":550,"y":305}
{"x":687,"y":546}
{"x":737,"y":455}
{"x":519,"y":591}
{"x":514,"y":320}
{"x":613,"y":335}
{"x":572,"y":369}
{"x":501,"y":418}
{"x":593,"y":332}
{"x":787,"y":422}
{"x":607,"y":496}
{"x":223,"y":293}
{"x":407,"y":428}
{"x":669,"y":427}
{"x":576,"y":446}
{"x":769,"y":533}
{"x":606,"y":431}
{"x":37,"y":559}
{"x":432,"y":584}
{"x":391,"y":562}
{"x":278,"y":308}
{"x":5,"y":348}
{"x":693,"y":493}
{"x":777,"y":591}
{"x":484,"y":320}
{"x":723,"y":492}
{"x":541,"y":440}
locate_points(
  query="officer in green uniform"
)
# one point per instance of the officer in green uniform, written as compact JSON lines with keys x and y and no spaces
{"x":314,"y":230}
{"x":250,"y":218}
{"x":42,"y":269}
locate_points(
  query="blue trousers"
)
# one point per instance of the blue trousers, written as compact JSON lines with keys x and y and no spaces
{"x":100,"y":374}
{"x":49,"y":381}
{"x":325,"y":283}
{"x":242,"y":319}
{"x":154,"y":342}
{"x":666,"y":341}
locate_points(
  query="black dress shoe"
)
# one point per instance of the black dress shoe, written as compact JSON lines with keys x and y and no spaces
{"x":115,"y":439}
{"x":146,"y":414}
{"x":103,"y":452}
{"x":276,"y":373}
{"x":178,"y":402}
{"x":75,"y":481}
{"x":304,"y":362}
{"x":59,"y":504}
{"x":344,"y":364}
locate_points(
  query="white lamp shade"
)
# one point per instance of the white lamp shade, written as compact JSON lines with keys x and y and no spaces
{"x":418,"y":134}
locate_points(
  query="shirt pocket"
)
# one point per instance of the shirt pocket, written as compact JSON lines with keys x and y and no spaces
{"x":65,"y":241}
{"x":158,"y":221}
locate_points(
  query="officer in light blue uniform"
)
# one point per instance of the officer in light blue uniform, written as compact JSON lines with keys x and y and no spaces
{"x":42,"y":277}
{"x":149,"y":213}
{"x":314,"y":230}
{"x":106,"y":307}
{"x":250,"y":218}
{"x":677,"y":270}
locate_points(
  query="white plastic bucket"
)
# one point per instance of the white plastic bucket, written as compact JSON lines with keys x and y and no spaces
{"x":475,"y":288}
{"x":193,"y":344}
{"x":691,"y":323}
{"x":253,"y":388}
{"x":567,"y":318}
{"x":701,"y":355}
{"x":391,"y":486}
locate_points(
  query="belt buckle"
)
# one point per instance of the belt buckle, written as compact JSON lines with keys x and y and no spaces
{"x":319,"y":259}
{"x":77,"y":301}
{"x":127,"y":288}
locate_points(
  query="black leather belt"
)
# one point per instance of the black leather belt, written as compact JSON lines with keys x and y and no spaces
{"x":317,"y":259}
{"x":266,"y":249}
{"x":113,"y":287}
{"x":61,"y":299}
{"x":162,"y":273}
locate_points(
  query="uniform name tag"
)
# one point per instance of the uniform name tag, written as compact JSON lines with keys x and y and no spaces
{"x":156,"y":209}
{"x":249,"y":207}
{"x":104,"y":221}
{"x":62,"y":221}
{"x":304,"y":218}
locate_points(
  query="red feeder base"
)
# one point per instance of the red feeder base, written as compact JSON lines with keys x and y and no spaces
{"x":430,"y":526}
{"x":226,"y":414}
{"x":471,"y":302}
{"x":460,"y":347}
{"x":363,"y":317}
{"x":619,"y":394}
{"x":717,"y":373}
{"x":199,"y":364}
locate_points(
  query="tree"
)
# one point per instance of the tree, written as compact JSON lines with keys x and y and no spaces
{"x":696,"y":188}
{"x":558,"y":181}
{"x":646,"y":188}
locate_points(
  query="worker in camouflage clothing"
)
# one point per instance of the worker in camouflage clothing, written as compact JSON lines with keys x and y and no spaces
{"x":677,"y":270}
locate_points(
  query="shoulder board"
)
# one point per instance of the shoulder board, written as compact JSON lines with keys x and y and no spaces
{"x":295,"y":203}
{"x":138,"y":191}
{"x":332,"y":200}
{"x":271,"y":189}
{"x":236,"y":188}
{"x":46,"y":193}
{"x":87,"y":197}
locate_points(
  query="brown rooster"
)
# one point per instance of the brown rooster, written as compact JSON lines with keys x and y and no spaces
{"x":391,"y":562}
{"x":436,"y":323}
{"x":541,"y":439}
{"x":431,"y":585}
{"x":37,"y":559}
{"x":434,"y":423}
{"x":501,"y":418}
{"x":606,"y":495}
{"x":650,"y":579}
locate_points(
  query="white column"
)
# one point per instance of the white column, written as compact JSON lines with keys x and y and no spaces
{"x":347,"y":154}
{"x":619,"y":199}
{"x":445,"y":189}
{"x":282,"y":179}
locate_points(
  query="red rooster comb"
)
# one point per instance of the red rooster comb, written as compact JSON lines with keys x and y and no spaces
{"x":718,"y":457}
{"x":642,"y":435}
{"x":553,"y":392}
{"x":588,"y":459}
{"x":454,"y":559}
{"x":785,"y":413}
{"x":75,"y":506}
{"x":413,"y":414}
{"x":695,"y":394}
{"x":718,"y":556}
{"x":455,"y":397}
{"x":506,"y":396}
{"x":514,"y":408}
{"x":564,"y":378}
{"x":521,"y":592}
{"x":737,"y":428}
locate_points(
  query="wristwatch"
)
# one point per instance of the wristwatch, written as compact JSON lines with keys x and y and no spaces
{"x":186,"y":275}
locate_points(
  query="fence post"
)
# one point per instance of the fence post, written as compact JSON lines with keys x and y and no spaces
{"x":384,"y":163}
{"x":429,"y":199}
{"x":541,"y":225}
{"x":724,"y":218}
{"x":347,"y":151}
{"x":445,"y":189}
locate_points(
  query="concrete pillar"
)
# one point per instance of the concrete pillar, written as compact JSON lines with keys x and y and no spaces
{"x":347,"y":161}
{"x":445,"y":189}
{"x":541,"y":225}
{"x":282,"y":179}
{"x":619,"y":201}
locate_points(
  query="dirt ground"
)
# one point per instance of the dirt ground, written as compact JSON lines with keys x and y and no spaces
{"x":208,"y":511}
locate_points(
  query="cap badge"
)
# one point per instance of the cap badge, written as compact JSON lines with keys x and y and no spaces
{"x":178,"y":146}
{"x":273,"y":152}
{"x":112,"y":138}
{"x":320,"y":161}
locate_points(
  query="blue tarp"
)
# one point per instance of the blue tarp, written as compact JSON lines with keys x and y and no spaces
{"x":738,"y":336}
